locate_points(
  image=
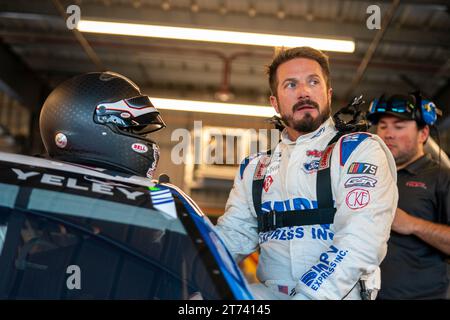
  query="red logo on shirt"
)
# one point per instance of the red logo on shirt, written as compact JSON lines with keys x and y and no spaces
{"x":313,"y":153}
{"x":416,"y":184}
{"x":357,"y":199}
{"x":326,"y":156}
{"x":261,"y":168}
{"x":267,"y":183}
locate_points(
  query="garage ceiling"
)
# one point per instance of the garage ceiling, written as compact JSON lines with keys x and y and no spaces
{"x":413,"y":53}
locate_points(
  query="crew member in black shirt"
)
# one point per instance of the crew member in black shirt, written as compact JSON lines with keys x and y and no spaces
{"x":415,"y":266}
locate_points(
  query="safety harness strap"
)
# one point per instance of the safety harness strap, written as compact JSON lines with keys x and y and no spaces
{"x":324,"y":214}
{"x":273,"y":219}
{"x":258,"y":180}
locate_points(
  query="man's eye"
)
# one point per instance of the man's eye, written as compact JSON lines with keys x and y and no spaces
{"x":314,"y":82}
{"x":290,"y":85}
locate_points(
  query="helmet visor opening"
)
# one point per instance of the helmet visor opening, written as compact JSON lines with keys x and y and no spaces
{"x":136,"y":115}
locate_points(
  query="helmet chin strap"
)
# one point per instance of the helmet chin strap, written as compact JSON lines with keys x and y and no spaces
{"x":142,"y":137}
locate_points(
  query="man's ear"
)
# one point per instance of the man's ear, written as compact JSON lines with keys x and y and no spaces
{"x":330,"y":94}
{"x":424,"y":133}
{"x":274,"y":103}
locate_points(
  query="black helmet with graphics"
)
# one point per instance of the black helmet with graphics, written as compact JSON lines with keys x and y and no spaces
{"x":101,"y":119}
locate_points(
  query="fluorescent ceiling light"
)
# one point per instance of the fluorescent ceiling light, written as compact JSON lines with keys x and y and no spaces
{"x":257,"y":39}
{"x":213,"y":107}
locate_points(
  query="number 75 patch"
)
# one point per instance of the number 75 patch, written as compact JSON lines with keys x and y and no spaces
{"x":362,"y":168}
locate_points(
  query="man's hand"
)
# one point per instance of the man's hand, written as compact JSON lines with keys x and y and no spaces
{"x":404,"y":223}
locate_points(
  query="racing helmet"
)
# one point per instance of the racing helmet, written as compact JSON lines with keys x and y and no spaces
{"x":101,"y":119}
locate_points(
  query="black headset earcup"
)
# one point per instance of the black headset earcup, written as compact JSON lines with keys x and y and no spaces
{"x":418,"y":112}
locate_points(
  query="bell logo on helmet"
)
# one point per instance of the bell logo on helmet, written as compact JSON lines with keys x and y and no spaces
{"x":61,"y":140}
{"x":139,"y":147}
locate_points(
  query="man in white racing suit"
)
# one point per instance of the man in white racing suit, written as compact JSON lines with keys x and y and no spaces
{"x":317,"y":258}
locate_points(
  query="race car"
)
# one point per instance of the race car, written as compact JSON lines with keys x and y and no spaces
{"x":71,"y":232}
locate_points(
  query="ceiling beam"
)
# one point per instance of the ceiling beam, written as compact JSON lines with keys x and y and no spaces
{"x":144,"y":51}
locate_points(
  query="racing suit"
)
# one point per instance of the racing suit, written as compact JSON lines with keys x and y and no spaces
{"x":315,"y":261}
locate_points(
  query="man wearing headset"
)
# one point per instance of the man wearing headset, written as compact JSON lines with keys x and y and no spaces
{"x":415,"y":266}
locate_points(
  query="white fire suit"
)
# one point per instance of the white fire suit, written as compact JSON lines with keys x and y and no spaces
{"x":316,"y":261}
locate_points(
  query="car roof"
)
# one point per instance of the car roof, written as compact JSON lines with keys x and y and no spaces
{"x":64,"y":188}
{"x":74,"y":168}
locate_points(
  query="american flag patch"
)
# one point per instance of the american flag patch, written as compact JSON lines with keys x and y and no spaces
{"x":283,"y":289}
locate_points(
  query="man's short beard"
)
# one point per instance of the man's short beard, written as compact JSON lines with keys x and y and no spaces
{"x":307,"y":124}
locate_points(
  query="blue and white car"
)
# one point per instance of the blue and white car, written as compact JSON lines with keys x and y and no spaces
{"x":70,"y":232}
